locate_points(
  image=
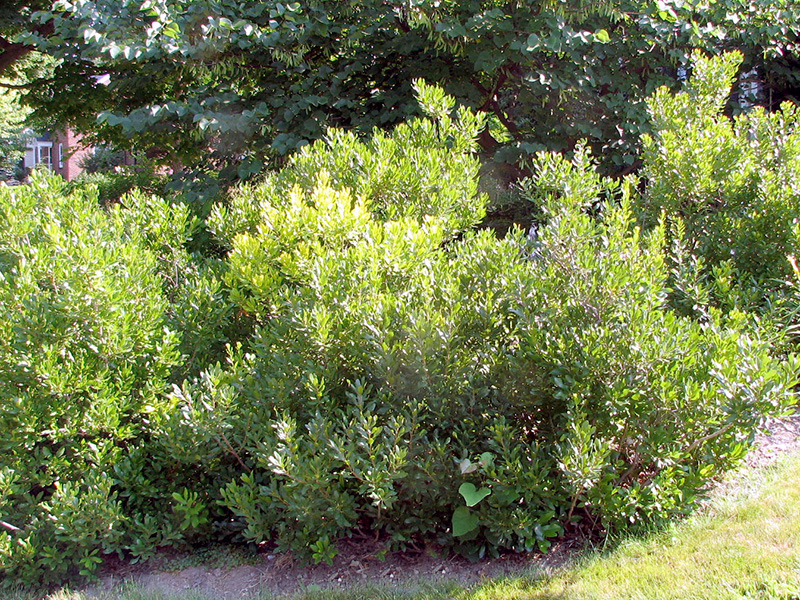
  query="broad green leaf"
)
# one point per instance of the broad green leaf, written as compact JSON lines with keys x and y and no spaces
{"x":463,"y":521}
{"x":602,"y":36}
{"x":467,"y":467}
{"x":473,"y":495}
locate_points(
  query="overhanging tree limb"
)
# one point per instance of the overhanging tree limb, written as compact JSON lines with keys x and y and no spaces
{"x":18,"y":86}
{"x":11,"y":52}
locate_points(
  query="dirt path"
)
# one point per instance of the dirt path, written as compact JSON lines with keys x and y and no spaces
{"x":357,"y":562}
{"x":360,"y":562}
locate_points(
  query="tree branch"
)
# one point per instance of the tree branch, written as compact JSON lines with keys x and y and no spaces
{"x":485,"y":139}
{"x":491,"y":105}
{"x":9,"y":526}
{"x":698,"y":442}
{"x":14,"y":51}
{"x":510,"y":125}
{"x":12,"y":86}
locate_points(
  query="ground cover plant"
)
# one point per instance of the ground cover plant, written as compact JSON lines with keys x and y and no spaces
{"x":391,"y":368}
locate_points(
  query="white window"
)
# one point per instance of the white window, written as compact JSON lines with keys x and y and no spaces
{"x":45,"y":155}
{"x":61,"y":156}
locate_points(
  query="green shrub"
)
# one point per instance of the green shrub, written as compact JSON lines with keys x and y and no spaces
{"x":113,"y":185}
{"x":649,"y":406}
{"x":386,"y":366}
{"x":94,"y":303}
{"x":193,"y":284}
{"x":422,"y":169}
{"x":477,"y":391}
{"x":103,"y":159}
{"x":84,"y":363}
{"x":735,"y":183}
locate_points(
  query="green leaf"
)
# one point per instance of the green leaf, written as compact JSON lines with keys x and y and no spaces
{"x":172,"y":30}
{"x":463,"y":521}
{"x":467,"y":467}
{"x":602,"y":36}
{"x":472,"y":495}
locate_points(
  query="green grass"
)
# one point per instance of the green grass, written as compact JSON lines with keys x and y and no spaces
{"x":747,"y":545}
{"x":744,"y":545}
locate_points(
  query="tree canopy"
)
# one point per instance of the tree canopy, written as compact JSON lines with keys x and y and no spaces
{"x":230,"y":82}
{"x":15,"y":18}
{"x":12,"y":117}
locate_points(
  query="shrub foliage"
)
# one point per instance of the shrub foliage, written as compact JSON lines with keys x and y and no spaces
{"x":733,"y":183}
{"x":389,"y":366}
{"x":84,"y":366}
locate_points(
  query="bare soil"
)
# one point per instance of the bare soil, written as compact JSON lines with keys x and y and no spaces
{"x":358,"y":562}
{"x":361,"y":561}
{"x":782,"y":437}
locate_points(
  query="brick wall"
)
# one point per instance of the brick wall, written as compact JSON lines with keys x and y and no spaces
{"x":67,"y":154}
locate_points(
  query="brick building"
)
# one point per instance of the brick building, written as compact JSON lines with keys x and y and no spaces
{"x":61,"y":152}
